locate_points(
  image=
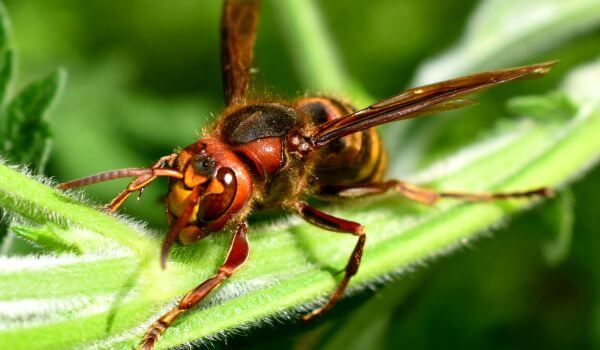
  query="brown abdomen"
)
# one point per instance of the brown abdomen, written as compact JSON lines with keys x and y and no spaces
{"x":354,"y":159}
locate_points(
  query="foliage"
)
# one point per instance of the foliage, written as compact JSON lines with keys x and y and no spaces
{"x":24,"y":129}
{"x":102,"y":284}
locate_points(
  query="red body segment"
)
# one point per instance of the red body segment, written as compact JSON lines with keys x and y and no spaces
{"x":266,"y":154}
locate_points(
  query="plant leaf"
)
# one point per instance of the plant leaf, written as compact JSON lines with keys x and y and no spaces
{"x":355,"y":334}
{"x":291,"y":263}
{"x":48,"y":238}
{"x":24,"y":130}
{"x":7,"y":59}
{"x":550,"y":106}
{"x":503,"y":32}
{"x":559,"y":217}
{"x":499,"y":34}
{"x":316,"y":59}
{"x":26,"y":134}
{"x":4,"y":28}
{"x":6,"y":73}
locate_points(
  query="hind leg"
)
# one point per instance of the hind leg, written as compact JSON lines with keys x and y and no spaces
{"x":332,"y":223}
{"x":425,"y":195}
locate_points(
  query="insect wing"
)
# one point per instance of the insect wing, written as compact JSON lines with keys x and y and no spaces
{"x":238,"y":34}
{"x":422,"y":101}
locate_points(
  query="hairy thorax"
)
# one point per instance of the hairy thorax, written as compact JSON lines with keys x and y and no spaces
{"x":259,"y":133}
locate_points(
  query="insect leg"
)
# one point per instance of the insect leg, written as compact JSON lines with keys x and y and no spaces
{"x":143,"y":176}
{"x":238,"y":253}
{"x":332,"y":223}
{"x":426,"y":195}
{"x":141,"y":181}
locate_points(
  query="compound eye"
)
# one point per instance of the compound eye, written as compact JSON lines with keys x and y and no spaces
{"x":214,"y":205}
{"x":200,"y":169}
{"x":204,"y":165}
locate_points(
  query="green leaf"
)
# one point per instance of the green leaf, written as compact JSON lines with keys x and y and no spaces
{"x":582,"y":84}
{"x":26,"y":134}
{"x":4,"y":28}
{"x":291,"y":263}
{"x":7,"y":56}
{"x":6,"y":73}
{"x":559,"y":217}
{"x":48,"y":237}
{"x":504,"y":32}
{"x":551,"y":106}
{"x":315,"y":57}
{"x":24,"y":129}
{"x":355,"y":334}
{"x":499,"y":34}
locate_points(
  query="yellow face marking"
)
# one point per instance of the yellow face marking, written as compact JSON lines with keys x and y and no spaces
{"x":177,"y":200}
{"x":182,"y":159}
{"x":192,"y":178}
{"x":215,"y":186}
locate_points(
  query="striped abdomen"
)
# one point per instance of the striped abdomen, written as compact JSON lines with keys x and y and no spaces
{"x":353,"y":159}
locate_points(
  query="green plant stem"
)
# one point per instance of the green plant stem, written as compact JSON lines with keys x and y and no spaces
{"x":292,"y":264}
{"x":313,"y":51}
{"x":66,"y":279}
{"x":50,"y":205}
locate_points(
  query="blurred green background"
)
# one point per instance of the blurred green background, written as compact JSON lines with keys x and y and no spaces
{"x":144,"y":78}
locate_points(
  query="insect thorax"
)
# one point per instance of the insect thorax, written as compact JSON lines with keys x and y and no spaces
{"x":256,"y":121}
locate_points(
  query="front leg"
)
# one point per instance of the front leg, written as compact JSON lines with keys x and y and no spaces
{"x":143,"y":176}
{"x":238,"y":253}
{"x":332,"y":223}
{"x":141,"y":181}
